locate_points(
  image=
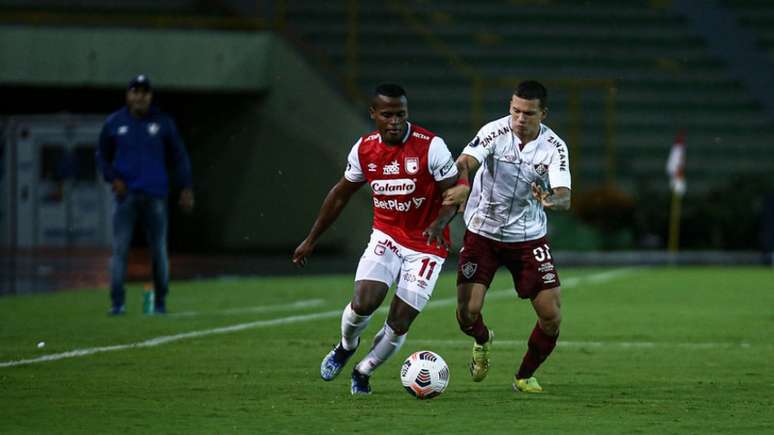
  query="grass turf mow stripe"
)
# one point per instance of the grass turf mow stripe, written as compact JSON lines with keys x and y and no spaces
{"x":259,"y":309}
{"x":157,"y":341}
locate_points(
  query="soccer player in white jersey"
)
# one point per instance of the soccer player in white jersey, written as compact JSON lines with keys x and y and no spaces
{"x":524,"y":169}
{"x":408,"y":168}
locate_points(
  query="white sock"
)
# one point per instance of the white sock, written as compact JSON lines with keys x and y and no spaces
{"x":352,"y":325}
{"x":386,"y":343}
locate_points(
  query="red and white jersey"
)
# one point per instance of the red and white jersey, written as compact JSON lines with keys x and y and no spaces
{"x":403,"y":183}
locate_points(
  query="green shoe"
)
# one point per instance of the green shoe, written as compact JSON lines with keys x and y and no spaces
{"x":529,"y":385}
{"x":479,"y":365}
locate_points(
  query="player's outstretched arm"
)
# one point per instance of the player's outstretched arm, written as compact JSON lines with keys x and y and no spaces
{"x":334,"y":203}
{"x":458,"y":194}
{"x":434,"y":232}
{"x":558,"y":199}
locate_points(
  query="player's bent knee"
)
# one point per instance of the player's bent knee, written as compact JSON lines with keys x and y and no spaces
{"x":551,"y":326}
{"x":465,"y":318}
{"x":469,"y":309}
{"x":398,"y":327}
{"x":368,"y":297}
{"x":362,"y":308}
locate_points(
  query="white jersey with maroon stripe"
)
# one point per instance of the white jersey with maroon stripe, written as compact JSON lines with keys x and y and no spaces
{"x":403,"y":183}
{"x":501,"y":205}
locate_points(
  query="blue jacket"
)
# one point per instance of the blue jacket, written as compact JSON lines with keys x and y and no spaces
{"x":142,"y":151}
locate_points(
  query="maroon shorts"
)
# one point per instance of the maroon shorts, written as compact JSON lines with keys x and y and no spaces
{"x":530,"y":263}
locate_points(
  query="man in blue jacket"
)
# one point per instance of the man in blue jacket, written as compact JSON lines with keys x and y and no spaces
{"x":140,"y":152}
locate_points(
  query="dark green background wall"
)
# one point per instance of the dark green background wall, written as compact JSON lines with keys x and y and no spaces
{"x":267,"y":136}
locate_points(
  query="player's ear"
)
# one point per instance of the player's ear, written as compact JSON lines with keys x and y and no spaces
{"x":544,"y":114}
{"x":372,"y":112}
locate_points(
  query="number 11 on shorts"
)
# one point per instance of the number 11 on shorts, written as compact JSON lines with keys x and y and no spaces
{"x":425,"y":264}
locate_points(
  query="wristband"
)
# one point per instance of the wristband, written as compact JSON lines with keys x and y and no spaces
{"x":462,"y":182}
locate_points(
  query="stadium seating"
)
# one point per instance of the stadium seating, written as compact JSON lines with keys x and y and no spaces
{"x":663,"y":78}
{"x":758,"y":17}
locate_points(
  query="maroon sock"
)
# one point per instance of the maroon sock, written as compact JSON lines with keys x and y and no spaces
{"x":540,"y":345}
{"x":477,"y":330}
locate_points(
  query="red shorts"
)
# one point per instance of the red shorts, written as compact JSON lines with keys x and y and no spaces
{"x":530,"y":263}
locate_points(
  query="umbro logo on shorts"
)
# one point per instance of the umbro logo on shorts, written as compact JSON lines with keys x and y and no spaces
{"x":468,"y":269}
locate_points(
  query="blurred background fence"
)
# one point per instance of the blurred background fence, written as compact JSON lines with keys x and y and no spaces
{"x":270,"y":96}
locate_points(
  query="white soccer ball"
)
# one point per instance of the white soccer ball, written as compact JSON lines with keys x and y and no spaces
{"x":424,"y":374}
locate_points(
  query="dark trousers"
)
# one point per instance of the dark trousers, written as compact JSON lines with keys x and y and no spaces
{"x":152,"y":212}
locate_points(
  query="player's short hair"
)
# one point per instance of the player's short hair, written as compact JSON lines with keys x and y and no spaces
{"x":532,"y":90}
{"x":390,"y":90}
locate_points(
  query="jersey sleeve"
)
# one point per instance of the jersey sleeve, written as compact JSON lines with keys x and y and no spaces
{"x":559,"y":167}
{"x":105,"y":153}
{"x":354,"y":172}
{"x":476,"y":149}
{"x":440,"y":161}
{"x":178,"y":155}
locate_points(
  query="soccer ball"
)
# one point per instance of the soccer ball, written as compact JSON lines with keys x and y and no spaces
{"x":424,"y":374}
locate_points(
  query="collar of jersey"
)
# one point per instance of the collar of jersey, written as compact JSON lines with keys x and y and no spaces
{"x":405,"y":138}
{"x":531,"y":144}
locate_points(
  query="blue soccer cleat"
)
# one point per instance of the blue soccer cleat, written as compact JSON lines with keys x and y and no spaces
{"x":360,"y":383}
{"x":335,"y":361}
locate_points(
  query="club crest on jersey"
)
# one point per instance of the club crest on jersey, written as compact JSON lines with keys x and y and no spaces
{"x":372,"y":167}
{"x":541,"y":169}
{"x":412,"y":165}
{"x":153,"y":128}
{"x":468,"y":269}
{"x":391,"y":169}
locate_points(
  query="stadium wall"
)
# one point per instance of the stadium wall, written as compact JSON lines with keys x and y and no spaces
{"x":267,"y":136}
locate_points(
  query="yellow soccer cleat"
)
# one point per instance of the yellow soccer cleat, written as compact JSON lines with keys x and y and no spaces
{"x":528,"y":385}
{"x":479,"y":365}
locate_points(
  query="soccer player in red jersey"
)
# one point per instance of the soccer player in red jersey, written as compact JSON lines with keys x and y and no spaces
{"x":506,"y":225}
{"x":407,"y":168}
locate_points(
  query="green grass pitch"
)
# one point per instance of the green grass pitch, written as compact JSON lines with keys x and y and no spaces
{"x":643,"y":350}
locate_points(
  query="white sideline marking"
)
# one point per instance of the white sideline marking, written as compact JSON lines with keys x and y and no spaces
{"x":157,"y":341}
{"x":582,"y":344}
{"x":177,"y":337}
{"x":258,"y":309}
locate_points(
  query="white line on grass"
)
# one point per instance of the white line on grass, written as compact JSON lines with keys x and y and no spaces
{"x":568,"y":283}
{"x":177,"y":337}
{"x":595,"y":344}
